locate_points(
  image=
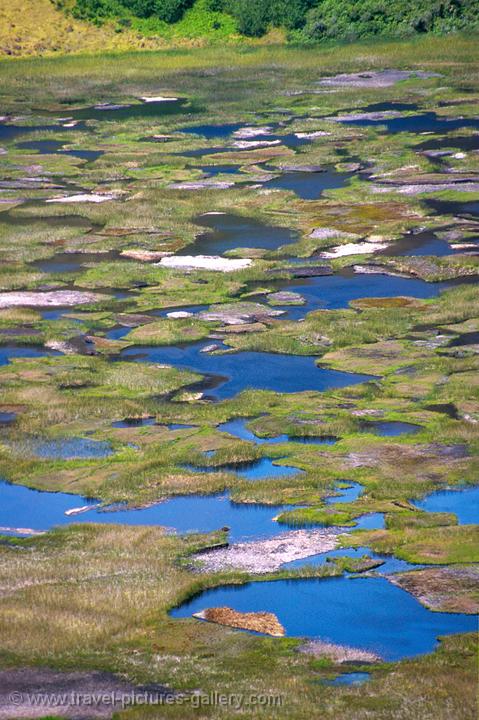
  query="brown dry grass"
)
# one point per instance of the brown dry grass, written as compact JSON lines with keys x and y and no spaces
{"x":35,"y":27}
{"x":262,"y":622}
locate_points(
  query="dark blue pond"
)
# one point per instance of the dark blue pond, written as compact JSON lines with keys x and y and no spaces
{"x":213,"y":131}
{"x":238,"y":427}
{"x":256,"y":470}
{"x":228,"y":232}
{"x":391,"y":428}
{"x":470,"y":208}
{"x":384,"y":106}
{"x":214,"y":170}
{"x":371,"y":521}
{"x":353,"y":678}
{"x":337,"y":291}
{"x":235,"y":372}
{"x":7,"y":417}
{"x":466,"y":143}
{"x":418,"y":244}
{"x":424,"y":122}
{"x":55,"y":314}
{"x":309,"y":186}
{"x":9,"y":132}
{"x":21,"y":507}
{"x":54,"y":147}
{"x":371,"y":614}
{"x":129,"y":112}
{"x":11,"y":352}
{"x":118,"y":332}
{"x":465,"y":339}
{"x":463,"y":502}
{"x":348,"y":493}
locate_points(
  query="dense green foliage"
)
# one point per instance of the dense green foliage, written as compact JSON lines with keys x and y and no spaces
{"x":305,"y":20}
{"x":254,"y":18}
{"x":351,"y":19}
{"x":98,"y":10}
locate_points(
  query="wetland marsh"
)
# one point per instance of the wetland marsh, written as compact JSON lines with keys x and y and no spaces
{"x":306,"y":400}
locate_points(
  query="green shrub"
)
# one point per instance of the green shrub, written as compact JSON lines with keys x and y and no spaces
{"x":252,"y":17}
{"x":306,"y":20}
{"x":290,"y":14}
{"x":100,"y":10}
{"x":353,"y":19}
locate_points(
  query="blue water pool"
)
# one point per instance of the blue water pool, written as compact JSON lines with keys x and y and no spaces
{"x":368,"y":613}
{"x":234,"y":372}
{"x":463,"y":502}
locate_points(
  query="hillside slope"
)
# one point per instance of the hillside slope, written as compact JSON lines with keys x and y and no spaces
{"x":35,"y":27}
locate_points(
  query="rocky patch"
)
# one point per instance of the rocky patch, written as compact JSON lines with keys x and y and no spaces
{"x":262,"y":556}
{"x":240,"y":313}
{"x":375,"y":78}
{"x":443,"y":589}
{"x":285,"y":297}
{"x":54,"y":298}
{"x":207,"y":184}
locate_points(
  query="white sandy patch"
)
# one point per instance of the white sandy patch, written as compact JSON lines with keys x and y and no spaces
{"x":353,"y":249}
{"x":84,"y":198}
{"x":178,"y":314}
{"x":205,"y":262}
{"x":251,"y":132}
{"x":251,"y":144}
{"x":158,"y":98}
{"x":311,"y":135}
{"x":81,"y":510}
